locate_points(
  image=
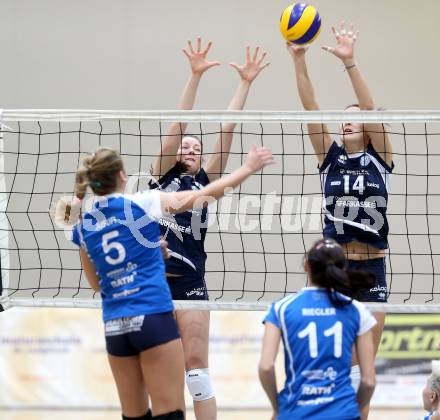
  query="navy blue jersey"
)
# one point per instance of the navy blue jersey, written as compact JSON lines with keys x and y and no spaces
{"x":185,"y":232}
{"x":355,"y":189}
{"x":122,"y":240}
{"x":318,"y":338}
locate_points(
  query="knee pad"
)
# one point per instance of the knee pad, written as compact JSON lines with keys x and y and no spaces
{"x":199,"y":384}
{"x":174,"y":415}
{"x":147,"y":416}
{"x":355,"y":376}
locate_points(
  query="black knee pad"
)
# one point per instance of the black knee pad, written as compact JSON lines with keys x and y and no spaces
{"x":147,"y":416}
{"x":174,"y":415}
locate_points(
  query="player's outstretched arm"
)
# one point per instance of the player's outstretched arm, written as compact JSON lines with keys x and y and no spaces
{"x":321,"y":140}
{"x":178,"y":202}
{"x":90,"y":270}
{"x":365,"y":353}
{"x":248,"y":72}
{"x":197,"y":57}
{"x":266,"y":367}
{"x":344,"y":50}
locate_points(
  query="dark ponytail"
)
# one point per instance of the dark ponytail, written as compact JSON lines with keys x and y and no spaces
{"x":328,"y":269}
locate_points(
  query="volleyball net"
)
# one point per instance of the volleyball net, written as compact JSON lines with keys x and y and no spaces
{"x":257,"y":236}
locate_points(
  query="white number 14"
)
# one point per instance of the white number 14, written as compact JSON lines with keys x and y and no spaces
{"x":358,"y":184}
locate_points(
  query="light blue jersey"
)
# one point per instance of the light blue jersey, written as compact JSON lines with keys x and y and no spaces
{"x":122,"y":240}
{"x":318,"y":338}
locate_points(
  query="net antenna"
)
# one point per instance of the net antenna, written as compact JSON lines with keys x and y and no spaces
{"x":257,"y":237}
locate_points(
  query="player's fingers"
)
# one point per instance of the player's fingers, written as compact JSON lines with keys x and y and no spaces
{"x":336,"y":33}
{"x":248,"y":53}
{"x":208,"y":47}
{"x":262,"y":58}
{"x":190,"y":46}
{"x":199,"y":44}
{"x":213,"y":64}
{"x":257,"y":49}
{"x":327,"y":48}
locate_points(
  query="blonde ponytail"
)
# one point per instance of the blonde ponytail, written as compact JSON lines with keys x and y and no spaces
{"x":98,"y":171}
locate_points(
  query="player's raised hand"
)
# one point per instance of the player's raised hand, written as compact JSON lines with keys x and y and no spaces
{"x":197,"y":57}
{"x":345,"y":40}
{"x":296,"y":50}
{"x":253,"y":65}
{"x":258,"y":158}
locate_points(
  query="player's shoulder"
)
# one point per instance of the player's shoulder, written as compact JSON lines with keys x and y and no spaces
{"x":284,"y":302}
{"x":334,"y":153}
{"x":202,"y":177}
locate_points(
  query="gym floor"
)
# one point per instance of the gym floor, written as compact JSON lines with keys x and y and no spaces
{"x":378,"y":414}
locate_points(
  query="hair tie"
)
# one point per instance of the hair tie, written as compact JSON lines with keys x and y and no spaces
{"x":95,"y":184}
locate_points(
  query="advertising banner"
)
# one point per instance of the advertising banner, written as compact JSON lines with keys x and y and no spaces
{"x":57,"y":358}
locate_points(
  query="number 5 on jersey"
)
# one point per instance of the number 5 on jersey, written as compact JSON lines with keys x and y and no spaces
{"x":108,"y":246}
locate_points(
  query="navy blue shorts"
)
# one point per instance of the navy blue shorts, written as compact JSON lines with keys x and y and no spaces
{"x":377,"y":267}
{"x":132,"y":335}
{"x":188,"y":287}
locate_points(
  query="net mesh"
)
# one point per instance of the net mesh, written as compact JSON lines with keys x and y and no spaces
{"x":257,"y":236}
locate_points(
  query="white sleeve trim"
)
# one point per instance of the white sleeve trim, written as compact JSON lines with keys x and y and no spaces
{"x":149,"y":201}
{"x":367,"y":320}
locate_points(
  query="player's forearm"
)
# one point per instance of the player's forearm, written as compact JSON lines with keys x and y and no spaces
{"x":237,"y":102}
{"x":186,"y":200}
{"x":89,"y":270}
{"x":364,"y":394}
{"x":217,"y":188}
{"x":304,"y":84}
{"x":189,"y":92}
{"x":186,"y":102}
{"x":268,"y":382}
{"x":360,"y":86}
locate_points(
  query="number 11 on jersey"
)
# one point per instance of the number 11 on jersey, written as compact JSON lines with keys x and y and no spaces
{"x":311,"y":332}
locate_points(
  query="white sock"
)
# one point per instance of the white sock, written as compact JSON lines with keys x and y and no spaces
{"x":355,"y":376}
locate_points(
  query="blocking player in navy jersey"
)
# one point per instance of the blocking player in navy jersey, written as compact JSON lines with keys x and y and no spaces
{"x":179,"y":167}
{"x":355,"y":174}
{"x":121,"y":257}
{"x":319,"y":326}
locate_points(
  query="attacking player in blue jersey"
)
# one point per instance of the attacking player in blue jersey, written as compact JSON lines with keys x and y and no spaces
{"x":121,"y":257}
{"x":355,"y":175}
{"x":319,"y":326}
{"x":431,"y":393}
{"x":180,"y":167}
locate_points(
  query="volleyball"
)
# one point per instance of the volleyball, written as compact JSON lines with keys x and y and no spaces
{"x":300,"y":23}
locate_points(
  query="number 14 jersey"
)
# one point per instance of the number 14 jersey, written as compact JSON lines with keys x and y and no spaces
{"x":355,"y":196}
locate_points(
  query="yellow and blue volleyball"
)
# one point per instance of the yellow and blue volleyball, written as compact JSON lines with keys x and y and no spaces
{"x":300,"y":23}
